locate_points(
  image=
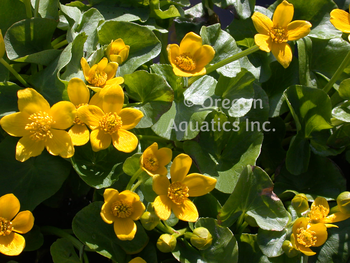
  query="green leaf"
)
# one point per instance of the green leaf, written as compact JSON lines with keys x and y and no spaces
{"x":271,"y":249}
{"x":298,"y":155}
{"x":253,"y":194}
{"x":132,"y":164}
{"x":340,"y":138}
{"x":34,"y":180}
{"x":323,"y":178}
{"x":166,"y":71}
{"x":12,"y":11}
{"x":144,"y":45}
{"x":89,"y":227}
{"x":311,"y":108}
{"x":306,"y":76}
{"x":344,"y":89}
{"x":342,"y":112}
{"x":62,"y":251}
{"x":244,"y":9}
{"x":34,"y":239}
{"x":224,"y":245}
{"x":98,"y":169}
{"x":47,"y":8}
{"x":31,"y":36}
{"x":8,"y":98}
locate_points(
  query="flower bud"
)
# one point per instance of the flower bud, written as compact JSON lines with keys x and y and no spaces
{"x":289,"y":249}
{"x":2,"y":45}
{"x":201,"y":238}
{"x":343,"y":201}
{"x":149,"y":220}
{"x":300,"y":203}
{"x":117,"y":51}
{"x":166,"y":243}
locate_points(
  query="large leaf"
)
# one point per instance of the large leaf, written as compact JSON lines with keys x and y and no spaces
{"x":244,"y":9}
{"x":144,"y":45}
{"x":8,"y":98}
{"x":253,"y":194}
{"x":11,"y":11}
{"x":47,"y":8}
{"x":62,"y":251}
{"x":34,"y":180}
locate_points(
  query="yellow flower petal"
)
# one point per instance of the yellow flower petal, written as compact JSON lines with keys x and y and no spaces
{"x":102,"y":64}
{"x":180,"y":167}
{"x":124,"y":141}
{"x":307,"y":251}
{"x":199,"y":184}
{"x":139,"y":208}
{"x":179,"y":72}
{"x":26,"y":148}
{"x":15,"y":123}
{"x":63,"y":113}
{"x":137,"y":260}
{"x":125,"y":228}
{"x":86,"y":68}
{"x":80,"y":134}
{"x":283,"y":14}
{"x":187,"y":211}
{"x":78,"y":92}
{"x":173,"y":51}
{"x":298,"y":29}
{"x":321,"y":233}
{"x":30,"y":101}
{"x":60,"y":144}
{"x":23,"y":222}
{"x":160,"y":184}
{"x":321,"y":201}
{"x":283,"y":53}
{"x":111,"y":69}
{"x":12,"y":245}
{"x":115,"y":81}
{"x":110,"y":196}
{"x":340,"y":20}
{"x":336,"y":217}
{"x":130,"y":118}
{"x":190,"y":44}
{"x":263,"y":42}
{"x":90,"y":115}
{"x":262,"y":23}
{"x":113,"y":99}
{"x":164,"y":155}
{"x":9,"y":206}
{"x":129,"y":196}
{"x":99,"y":140}
{"x":162,"y":206}
{"x":204,"y":56}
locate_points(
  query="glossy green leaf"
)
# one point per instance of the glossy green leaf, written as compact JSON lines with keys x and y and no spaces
{"x":34,"y":180}
{"x":99,"y":236}
{"x":253,"y":194}
{"x":8,"y":98}
{"x":12,"y":11}
{"x":342,"y":111}
{"x":167,"y":72}
{"x":47,"y":8}
{"x":62,"y":251}
{"x":340,"y":138}
{"x":244,"y":9}
{"x":306,"y":76}
{"x":298,"y":155}
{"x":132,"y":164}
{"x":144,"y":45}
{"x":34,"y":239}
{"x":344,"y":89}
{"x":271,"y":249}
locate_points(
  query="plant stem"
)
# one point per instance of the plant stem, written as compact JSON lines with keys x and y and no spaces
{"x":337,"y":74}
{"x":228,"y":60}
{"x":28,"y":8}
{"x":133,"y":178}
{"x":36,"y":10}
{"x":61,"y":44}
{"x":304,"y":259}
{"x":57,"y":40}
{"x":14,"y":72}
{"x":134,"y":187}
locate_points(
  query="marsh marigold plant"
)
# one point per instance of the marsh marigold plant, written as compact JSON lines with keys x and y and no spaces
{"x":341,"y":20}
{"x":274,"y":34}
{"x":154,"y":160}
{"x":12,"y":224}
{"x":191,"y":57}
{"x":117,"y":51}
{"x":173,"y":196}
{"x":40,"y":126}
{"x":121,"y":210}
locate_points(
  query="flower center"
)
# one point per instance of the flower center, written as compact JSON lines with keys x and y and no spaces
{"x":40,"y":126}
{"x":111,"y":122}
{"x":122,"y":209}
{"x":5,"y":227}
{"x":99,"y":78}
{"x":151,"y":163}
{"x":178,"y":192}
{"x":278,"y":35}
{"x":317,"y":214}
{"x":185,"y":62}
{"x":306,"y":237}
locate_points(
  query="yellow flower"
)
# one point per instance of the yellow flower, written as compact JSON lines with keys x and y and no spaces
{"x":117,"y":51}
{"x":40,"y":126}
{"x":111,"y":123}
{"x":174,"y":196}
{"x":137,"y":260}
{"x":2,"y":45}
{"x":306,"y":235}
{"x":319,"y":213}
{"x":121,"y":210}
{"x":273,"y":35}
{"x":341,"y":20}
{"x":12,"y":224}
{"x":154,"y":160}
{"x":101,"y":74}
{"x":191,"y":57}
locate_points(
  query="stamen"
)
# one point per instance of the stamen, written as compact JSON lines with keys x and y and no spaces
{"x":151,"y":163}
{"x":185,"y":62}
{"x":5,"y":227}
{"x":178,"y":192}
{"x":306,"y":237}
{"x":99,"y":78}
{"x":122,"y":209}
{"x":317,"y":214}
{"x":40,"y":126}
{"x":111,"y":122}
{"x":278,"y":35}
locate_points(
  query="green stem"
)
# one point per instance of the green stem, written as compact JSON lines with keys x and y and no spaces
{"x":14,"y":72}
{"x":337,"y":74}
{"x":228,"y":60}
{"x":61,"y":44}
{"x":133,"y":178}
{"x":28,"y":8}
{"x":304,"y":259}
{"x":36,"y":10}
{"x":134,"y":187}
{"x":152,"y":138}
{"x":57,"y":40}
{"x":165,"y":228}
